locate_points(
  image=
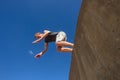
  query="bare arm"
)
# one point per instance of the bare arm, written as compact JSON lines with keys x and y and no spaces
{"x":45,"y":48}
{"x":43,"y":36}
{"x":43,"y":51}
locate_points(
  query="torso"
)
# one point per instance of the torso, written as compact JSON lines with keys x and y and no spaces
{"x":51,"y":37}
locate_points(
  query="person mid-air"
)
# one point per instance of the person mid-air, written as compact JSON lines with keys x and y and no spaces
{"x":58,"y":37}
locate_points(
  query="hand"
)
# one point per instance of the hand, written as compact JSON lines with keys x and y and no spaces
{"x":33,"y":42}
{"x":38,"y":55}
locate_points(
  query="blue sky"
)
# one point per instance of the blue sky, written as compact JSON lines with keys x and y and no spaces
{"x":19,"y":21}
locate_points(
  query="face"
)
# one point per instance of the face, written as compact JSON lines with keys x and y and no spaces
{"x":38,"y":36}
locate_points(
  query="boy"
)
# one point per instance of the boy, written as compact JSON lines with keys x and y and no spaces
{"x":58,"y":37}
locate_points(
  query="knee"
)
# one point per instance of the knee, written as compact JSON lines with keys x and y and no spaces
{"x":59,"y":48}
{"x":58,"y":43}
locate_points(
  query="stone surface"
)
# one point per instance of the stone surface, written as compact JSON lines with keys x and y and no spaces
{"x":96,"y":53}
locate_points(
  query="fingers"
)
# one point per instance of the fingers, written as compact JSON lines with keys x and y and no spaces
{"x":38,"y":55}
{"x":33,"y":42}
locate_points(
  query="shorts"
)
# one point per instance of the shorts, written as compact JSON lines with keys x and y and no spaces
{"x":61,"y":36}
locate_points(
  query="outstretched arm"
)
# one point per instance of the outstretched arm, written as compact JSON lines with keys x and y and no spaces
{"x":43,"y":36}
{"x":44,"y":50}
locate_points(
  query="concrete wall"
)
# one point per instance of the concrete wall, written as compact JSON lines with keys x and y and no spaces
{"x":96,"y":53}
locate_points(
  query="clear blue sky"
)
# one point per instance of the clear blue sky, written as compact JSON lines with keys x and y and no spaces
{"x":19,"y":21}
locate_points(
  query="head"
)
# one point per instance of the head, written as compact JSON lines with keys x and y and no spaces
{"x":38,"y":35}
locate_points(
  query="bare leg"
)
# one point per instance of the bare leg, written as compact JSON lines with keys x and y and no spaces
{"x":64,"y":43}
{"x":64,"y":49}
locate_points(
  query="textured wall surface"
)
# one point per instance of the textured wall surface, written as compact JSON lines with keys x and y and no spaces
{"x":96,"y":53}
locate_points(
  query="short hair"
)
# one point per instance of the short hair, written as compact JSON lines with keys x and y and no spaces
{"x":36,"y":34}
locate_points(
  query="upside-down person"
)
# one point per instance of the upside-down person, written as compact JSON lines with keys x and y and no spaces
{"x":58,"y":37}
